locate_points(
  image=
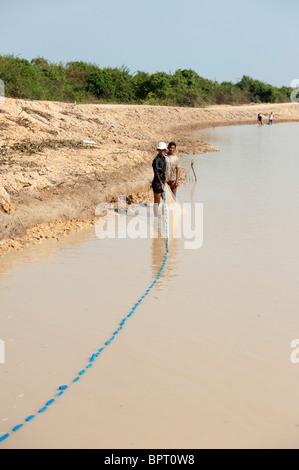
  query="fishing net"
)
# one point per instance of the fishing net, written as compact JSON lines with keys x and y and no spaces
{"x":174,"y":214}
{"x":138,"y":220}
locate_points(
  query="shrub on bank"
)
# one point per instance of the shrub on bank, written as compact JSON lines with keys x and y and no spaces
{"x":87,"y":83}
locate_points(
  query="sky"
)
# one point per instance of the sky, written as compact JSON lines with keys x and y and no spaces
{"x":220,"y":39}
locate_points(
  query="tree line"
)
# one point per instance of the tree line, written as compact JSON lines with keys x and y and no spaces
{"x":83,"y":82}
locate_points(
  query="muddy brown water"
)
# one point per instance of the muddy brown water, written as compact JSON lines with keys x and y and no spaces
{"x":205,"y":360}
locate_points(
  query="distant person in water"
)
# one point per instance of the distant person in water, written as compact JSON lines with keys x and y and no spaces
{"x":271,"y":118}
{"x":159,"y":167}
{"x":260,"y":119}
{"x":172,"y":167}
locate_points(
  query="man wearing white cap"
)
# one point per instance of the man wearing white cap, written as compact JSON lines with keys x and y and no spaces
{"x":159,"y":167}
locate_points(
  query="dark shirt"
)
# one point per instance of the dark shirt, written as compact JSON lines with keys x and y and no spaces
{"x":159,"y":167}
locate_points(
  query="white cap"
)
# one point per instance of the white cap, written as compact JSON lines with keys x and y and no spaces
{"x":162,"y":146}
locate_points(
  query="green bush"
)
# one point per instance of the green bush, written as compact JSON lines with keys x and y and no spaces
{"x":87,"y":83}
{"x":263,"y":92}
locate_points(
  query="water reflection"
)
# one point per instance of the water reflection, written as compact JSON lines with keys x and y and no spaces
{"x":14,"y":261}
{"x":158,"y":251}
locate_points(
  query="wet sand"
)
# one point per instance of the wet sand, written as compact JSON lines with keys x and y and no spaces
{"x":205,"y":361}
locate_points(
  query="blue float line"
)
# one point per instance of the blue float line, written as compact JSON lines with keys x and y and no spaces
{"x":62,"y":388}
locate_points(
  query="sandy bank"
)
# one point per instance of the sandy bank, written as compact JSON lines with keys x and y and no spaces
{"x":51,"y":181}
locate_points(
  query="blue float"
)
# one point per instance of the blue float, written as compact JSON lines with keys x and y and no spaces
{"x":29,"y":418}
{"x":17,"y":427}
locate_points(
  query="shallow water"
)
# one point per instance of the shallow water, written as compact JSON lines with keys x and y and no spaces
{"x":205,"y":360}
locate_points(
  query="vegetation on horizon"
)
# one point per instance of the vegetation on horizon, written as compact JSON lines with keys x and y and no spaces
{"x":87,"y":83}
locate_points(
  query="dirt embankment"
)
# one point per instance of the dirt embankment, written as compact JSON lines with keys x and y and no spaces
{"x":59,"y":160}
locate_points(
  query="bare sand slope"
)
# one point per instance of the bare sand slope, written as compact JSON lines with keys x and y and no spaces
{"x":51,"y":180}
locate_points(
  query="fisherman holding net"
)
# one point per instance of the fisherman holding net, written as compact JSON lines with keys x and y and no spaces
{"x":164,"y":170}
{"x":159,"y":167}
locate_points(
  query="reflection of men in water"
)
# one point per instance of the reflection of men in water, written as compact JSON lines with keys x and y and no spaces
{"x":159,"y":167}
{"x":172,"y":167}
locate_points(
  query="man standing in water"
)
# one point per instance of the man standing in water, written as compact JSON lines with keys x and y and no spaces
{"x":159,"y":167}
{"x":172,"y":167}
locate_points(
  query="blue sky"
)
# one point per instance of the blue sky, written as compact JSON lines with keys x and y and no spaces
{"x":219,"y":39}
